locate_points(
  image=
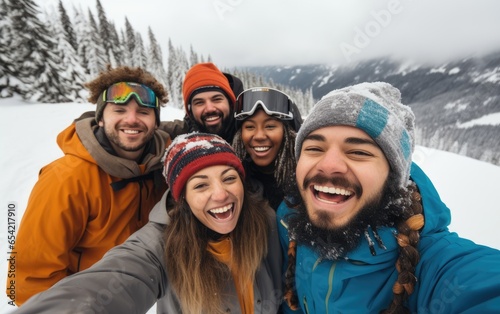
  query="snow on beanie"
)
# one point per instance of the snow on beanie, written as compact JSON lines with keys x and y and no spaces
{"x":376,"y":109}
{"x":204,"y":77}
{"x":192,"y":152}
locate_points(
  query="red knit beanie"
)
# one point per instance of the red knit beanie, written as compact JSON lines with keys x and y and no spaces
{"x":203,"y":76}
{"x":192,"y":152}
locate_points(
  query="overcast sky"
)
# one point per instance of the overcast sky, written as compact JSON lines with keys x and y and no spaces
{"x":293,"y":32}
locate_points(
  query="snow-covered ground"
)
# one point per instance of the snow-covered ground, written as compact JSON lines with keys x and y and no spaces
{"x":469,"y":187}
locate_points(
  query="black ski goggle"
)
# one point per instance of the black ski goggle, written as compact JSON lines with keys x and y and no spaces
{"x":272,"y":101}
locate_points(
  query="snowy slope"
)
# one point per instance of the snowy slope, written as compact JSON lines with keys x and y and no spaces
{"x":28,"y":142}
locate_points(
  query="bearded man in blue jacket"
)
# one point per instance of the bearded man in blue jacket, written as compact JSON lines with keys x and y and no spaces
{"x":371,"y":234}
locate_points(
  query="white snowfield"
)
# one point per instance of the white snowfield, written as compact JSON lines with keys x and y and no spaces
{"x":469,"y":187}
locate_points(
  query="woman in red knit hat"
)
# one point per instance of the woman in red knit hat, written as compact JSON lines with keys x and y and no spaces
{"x":215,"y":250}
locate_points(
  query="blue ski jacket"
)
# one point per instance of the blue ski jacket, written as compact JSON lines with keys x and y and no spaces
{"x":454,"y":275}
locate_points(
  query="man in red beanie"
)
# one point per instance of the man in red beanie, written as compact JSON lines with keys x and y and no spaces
{"x":209,"y":98}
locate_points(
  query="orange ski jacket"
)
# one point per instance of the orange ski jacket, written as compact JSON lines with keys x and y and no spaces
{"x":83,"y":204}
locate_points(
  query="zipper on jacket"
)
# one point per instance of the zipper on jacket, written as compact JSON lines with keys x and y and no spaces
{"x":330,"y":285}
{"x":331,"y":274}
{"x":304,"y":301}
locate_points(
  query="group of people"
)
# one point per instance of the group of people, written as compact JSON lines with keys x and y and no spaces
{"x":243,"y":207}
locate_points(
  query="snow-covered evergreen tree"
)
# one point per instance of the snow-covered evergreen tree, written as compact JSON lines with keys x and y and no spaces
{"x":36,"y":61}
{"x":74,"y":73}
{"x":116,"y":44}
{"x":178,"y":65}
{"x":34,"y":64}
{"x":139,"y":58}
{"x":96,"y":56}
{"x":155,"y":59}
{"x":67,"y":26}
{"x":129,"y":43}
{"x":193,"y":57}
{"x":105,"y":34}
{"x":170,"y":68}
{"x":6,"y":51}
{"x":81,"y":28}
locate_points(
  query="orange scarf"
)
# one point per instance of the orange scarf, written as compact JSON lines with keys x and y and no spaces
{"x":222,"y":251}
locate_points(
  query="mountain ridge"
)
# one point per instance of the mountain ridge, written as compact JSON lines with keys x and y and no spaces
{"x":444,"y":97}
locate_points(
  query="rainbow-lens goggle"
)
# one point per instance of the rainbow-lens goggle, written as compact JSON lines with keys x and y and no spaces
{"x":120,"y":93}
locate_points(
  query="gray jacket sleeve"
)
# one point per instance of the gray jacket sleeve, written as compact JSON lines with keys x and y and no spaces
{"x":119,"y":283}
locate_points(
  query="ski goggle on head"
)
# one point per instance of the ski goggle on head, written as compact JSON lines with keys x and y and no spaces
{"x":120,"y":93}
{"x":272,"y":101}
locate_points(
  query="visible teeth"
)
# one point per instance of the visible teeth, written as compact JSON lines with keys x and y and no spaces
{"x":332,"y":190}
{"x":221,"y":210}
{"x":130,"y":131}
{"x":212,"y":118}
{"x":262,"y":149}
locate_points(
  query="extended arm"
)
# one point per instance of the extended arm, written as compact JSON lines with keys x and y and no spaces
{"x":128,"y":279}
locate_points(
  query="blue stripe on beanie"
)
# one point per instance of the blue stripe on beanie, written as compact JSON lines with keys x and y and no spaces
{"x":406,"y":144}
{"x":372,"y":118}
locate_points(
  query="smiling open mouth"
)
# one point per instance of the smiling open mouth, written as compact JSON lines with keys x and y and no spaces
{"x":131,"y":131}
{"x":331,"y":194}
{"x":261,"y":149}
{"x":210,"y":118}
{"x":222,"y":212}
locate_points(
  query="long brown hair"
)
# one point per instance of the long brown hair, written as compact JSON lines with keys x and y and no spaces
{"x":408,"y":237}
{"x":197,"y":278}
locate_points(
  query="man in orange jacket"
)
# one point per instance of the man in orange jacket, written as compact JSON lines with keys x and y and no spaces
{"x":104,"y":187}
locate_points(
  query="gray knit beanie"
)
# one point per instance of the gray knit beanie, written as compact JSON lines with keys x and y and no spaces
{"x":376,"y":109}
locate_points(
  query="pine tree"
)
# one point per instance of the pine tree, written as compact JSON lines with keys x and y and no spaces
{"x":67,"y":27}
{"x":155,"y":59}
{"x":81,"y":28}
{"x":6,"y":51}
{"x":74,"y":74}
{"x":193,"y":57}
{"x":95,"y":51}
{"x":183,"y":67}
{"x":170,"y":69}
{"x":139,"y":58}
{"x":105,"y":34}
{"x":126,"y":55}
{"x":116,"y":44}
{"x":129,"y":43}
{"x":178,"y":65}
{"x":46,"y":68}
{"x":35,"y":62}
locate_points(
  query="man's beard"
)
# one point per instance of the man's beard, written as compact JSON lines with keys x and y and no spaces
{"x":113,"y":137}
{"x":335,"y":242}
{"x":218,"y":129}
